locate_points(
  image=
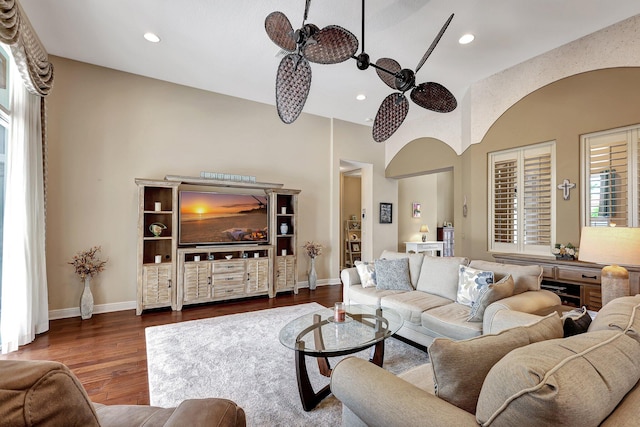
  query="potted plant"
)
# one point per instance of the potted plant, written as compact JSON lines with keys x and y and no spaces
{"x":86,"y":265}
{"x":313,"y":250}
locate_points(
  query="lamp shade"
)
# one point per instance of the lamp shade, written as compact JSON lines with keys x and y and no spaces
{"x":424,"y":228}
{"x":610,"y":245}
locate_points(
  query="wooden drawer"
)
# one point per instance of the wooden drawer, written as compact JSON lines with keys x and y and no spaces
{"x":224,"y":279}
{"x":590,"y":276}
{"x":229,"y":289}
{"x":548,"y":272}
{"x":228,"y":266}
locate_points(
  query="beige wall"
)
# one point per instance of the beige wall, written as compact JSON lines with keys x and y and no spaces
{"x":561,"y":111}
{"x":107,"y":127}
{"x":424,"y":190}
{"x":354,"y":144}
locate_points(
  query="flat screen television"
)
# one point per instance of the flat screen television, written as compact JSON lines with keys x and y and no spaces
{"x":208,"y":218}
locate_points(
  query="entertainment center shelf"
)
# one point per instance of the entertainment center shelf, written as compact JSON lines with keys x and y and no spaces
{"x":171,"y":274}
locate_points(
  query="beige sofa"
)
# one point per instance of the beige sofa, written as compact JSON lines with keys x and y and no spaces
{"x":429,"y":309}
{"x":584,"y":380}
{"x":39,"y":393}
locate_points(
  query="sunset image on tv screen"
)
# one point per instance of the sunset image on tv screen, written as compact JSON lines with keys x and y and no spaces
{"x":222,"y":218}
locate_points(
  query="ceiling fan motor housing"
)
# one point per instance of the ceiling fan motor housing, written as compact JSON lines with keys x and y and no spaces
{"x":405,"y":80}
{"x":363,"y":61}
{"x":305,"y":33}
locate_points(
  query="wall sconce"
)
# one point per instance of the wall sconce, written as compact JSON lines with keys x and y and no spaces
{"x":614,"y":246}
{"x":424,"y":230}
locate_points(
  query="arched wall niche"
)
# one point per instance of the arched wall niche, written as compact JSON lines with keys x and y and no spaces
{"x":561,"y":111}
{"x":422,"y":156}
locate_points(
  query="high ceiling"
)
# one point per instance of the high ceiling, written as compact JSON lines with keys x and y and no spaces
{"x":221,"y":45}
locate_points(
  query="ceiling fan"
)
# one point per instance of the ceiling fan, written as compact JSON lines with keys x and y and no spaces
{"x":329,"y":45}
{"x":394,"y":108}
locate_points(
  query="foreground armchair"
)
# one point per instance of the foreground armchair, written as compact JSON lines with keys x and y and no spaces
{"x":35,"y":393}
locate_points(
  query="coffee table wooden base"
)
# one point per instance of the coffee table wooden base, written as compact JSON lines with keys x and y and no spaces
{"x":310,"y":398}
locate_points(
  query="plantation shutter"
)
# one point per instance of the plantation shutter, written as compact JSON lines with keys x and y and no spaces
{"x":521,"y":202}
{"x":608,"y":177}
{"x":505,"y":182}
{"x":537,"y":199}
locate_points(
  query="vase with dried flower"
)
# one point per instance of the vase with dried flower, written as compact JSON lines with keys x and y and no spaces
{"x":313,"y":250}
{"x":86,"y":265}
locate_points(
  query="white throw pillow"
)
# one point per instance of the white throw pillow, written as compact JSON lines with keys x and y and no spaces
{"x":367,"y":273}
{"x":470,"y":283}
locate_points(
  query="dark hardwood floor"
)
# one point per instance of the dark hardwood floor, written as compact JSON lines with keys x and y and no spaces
{"x":108,"y":352}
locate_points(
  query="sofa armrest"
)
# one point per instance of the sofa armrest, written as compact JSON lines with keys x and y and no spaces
{"x":349,"y":276}
{"x":517,"y":310}
{"x":379,"y":398}
{"x":191,"y":412}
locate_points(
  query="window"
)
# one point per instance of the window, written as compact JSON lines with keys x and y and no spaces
{"x":521,"y":202}
{"x":610,"y":179}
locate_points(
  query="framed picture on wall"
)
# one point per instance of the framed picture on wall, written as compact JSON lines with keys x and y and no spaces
{"x":386,"y":213}
{"x":415,"y":209}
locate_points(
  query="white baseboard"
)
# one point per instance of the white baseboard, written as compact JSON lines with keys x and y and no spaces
{"x":97,"y":309}
{"x":323,"y":282}
{"x":131,"y":305}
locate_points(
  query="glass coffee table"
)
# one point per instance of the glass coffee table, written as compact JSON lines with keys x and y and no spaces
{"x":318,"y":334}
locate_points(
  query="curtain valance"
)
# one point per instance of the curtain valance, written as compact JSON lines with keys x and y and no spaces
{"x":28,"y":52}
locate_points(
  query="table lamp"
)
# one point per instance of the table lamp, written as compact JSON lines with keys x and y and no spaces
{"x":424,"y":230}
{"x":613,"y":246}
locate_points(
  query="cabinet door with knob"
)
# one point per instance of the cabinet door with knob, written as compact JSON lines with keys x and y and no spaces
{"x":157,"y":286}
{"x":257,"y":276}
{"x":197,"y":282}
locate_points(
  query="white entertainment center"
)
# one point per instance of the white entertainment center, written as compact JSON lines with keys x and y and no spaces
{"x":170,"y":275}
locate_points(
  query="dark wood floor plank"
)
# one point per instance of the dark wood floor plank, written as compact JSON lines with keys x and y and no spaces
{"x":108,"y":352}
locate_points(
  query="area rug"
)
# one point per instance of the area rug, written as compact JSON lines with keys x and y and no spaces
{"x":240,"y":357}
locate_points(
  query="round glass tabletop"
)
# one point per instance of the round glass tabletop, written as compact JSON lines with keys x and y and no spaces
{"x":318,"y":334}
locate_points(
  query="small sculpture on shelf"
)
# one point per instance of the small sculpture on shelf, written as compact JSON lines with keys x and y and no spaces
{"x":156,"y":228}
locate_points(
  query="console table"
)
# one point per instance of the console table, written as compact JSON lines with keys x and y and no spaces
{"x":577,"y":283}
{"x":428,"y":246}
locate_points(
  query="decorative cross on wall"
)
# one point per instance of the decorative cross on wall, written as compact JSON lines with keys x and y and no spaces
{"x":566,"y":186}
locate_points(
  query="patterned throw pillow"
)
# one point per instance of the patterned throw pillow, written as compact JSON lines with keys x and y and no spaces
{"x":490,"y":294}
{"x":393,"y":274}
{"x":470,"y":282}
{"x":367,"y":273}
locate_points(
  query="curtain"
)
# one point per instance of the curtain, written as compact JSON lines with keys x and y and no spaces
{"x":24,"y":281}
{"x":27,"y":50}
{"x":24,"y":311}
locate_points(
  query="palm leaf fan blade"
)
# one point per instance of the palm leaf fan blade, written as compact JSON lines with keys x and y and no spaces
{"x":293,"y":82}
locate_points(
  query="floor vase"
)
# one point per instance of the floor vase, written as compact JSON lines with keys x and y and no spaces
{"x":313,"y":277}
{"x":86,"y":300}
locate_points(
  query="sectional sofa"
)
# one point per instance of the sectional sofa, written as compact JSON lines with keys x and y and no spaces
{"x":525,"y":376}
{"x":426,"y":294}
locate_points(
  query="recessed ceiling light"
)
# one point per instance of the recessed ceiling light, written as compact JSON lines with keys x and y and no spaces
{"x":361,"y":97}
{"x":151,"y":37}
{"x":466,"y":39}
